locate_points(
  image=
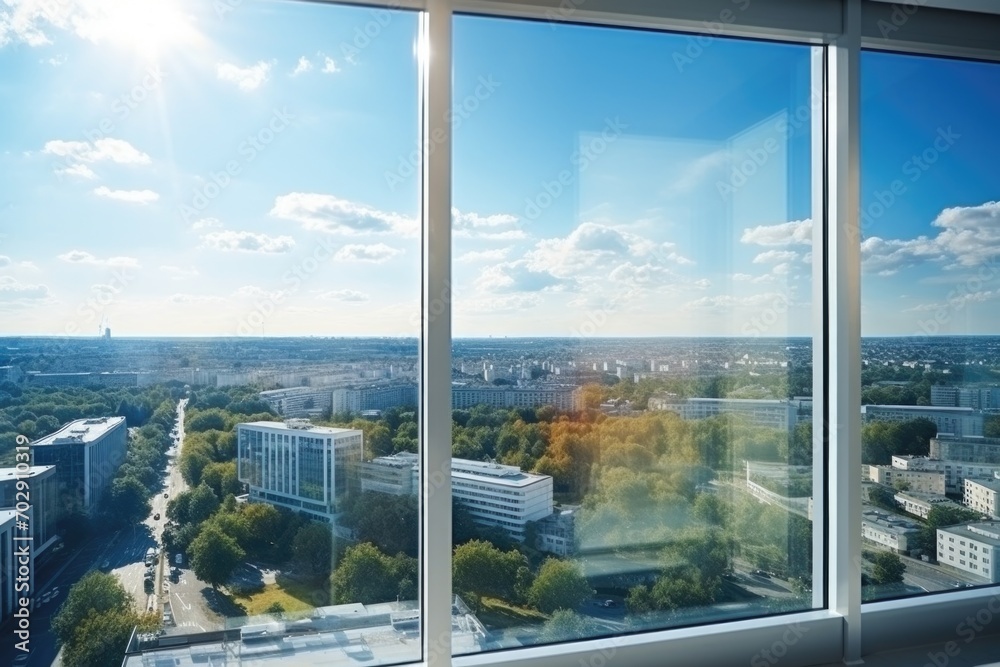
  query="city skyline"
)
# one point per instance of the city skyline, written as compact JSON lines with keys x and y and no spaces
{"x":622,"y":214}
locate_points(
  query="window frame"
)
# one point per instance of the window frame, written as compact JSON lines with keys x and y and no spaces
{"x":845,"y":629}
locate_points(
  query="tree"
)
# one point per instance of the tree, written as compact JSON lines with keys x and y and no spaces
{"x":127,"y":501}
{"x":888,"y":569}
{"x":101,"y":637}
{"x":479,"y":568}
{"x":202,"y":504}
{"x":882,"y":496}
{"x":389,"y":522}
{"x":313,"y":548}
{"x":558,"y":585}
{"x":221,"y":477}
{"x":365,"y":575}
{"x":214,"y":555}
{"x":95,"y":592}
{"x":265,"y":524}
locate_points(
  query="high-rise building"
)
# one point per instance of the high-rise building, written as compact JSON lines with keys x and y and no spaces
{"x":9,"y":565}
{"x":86,"y":453}
{"x":296,"y":465}
{"x":972,"y":450}
{"x":298,"y":401}
{"x":375,"y":397}
{"x":953,"y":421}
{"x":973,"y":547}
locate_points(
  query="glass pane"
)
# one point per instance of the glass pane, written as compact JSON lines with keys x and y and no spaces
{"x":210,"y":284}
{"x":930,"y":393}
{"x":632,"y":406}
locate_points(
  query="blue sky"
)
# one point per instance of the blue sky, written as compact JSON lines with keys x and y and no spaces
{"x":607,"y":182}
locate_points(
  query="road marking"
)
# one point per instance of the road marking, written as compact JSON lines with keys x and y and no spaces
{"x":184,"y":604}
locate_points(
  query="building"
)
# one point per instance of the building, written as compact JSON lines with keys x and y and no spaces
{"x":556,"y":533}
{"x":42,"y":488}
{"x":374,"y":397}
{"x":978,"y":398}
{"x":296,"y":465}
{"x":955,"y":472}
{"x":779,"y":414}
{"x":972,"y":450}
{"x":973,"y":548}
{"x":86,"y":453}
{"x":888,"y":530}
{"x":953,"y":421}
{"x":501,"y":496}
{"x":567,"y":398}
{"x":86,"y":379}
{"x":920,"y":504}
{"x":497,"y":496}
{"x":921,"y":481}
{"x":10,"y":374}
{"x":397,"y":475}
{"x":298,"y":401}
{"x":981,"y":495}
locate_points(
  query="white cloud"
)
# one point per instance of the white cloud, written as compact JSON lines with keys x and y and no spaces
{"x":84,"y":257}
{"x":206,"y":223}
{"x":254,"y":292}
{"x":728,"y":301}
{"x":775,"y":256}
{"x":78,"y":170}
{"x":886,"y":258}
{"x":327,"y":213}
{"x":741,"y":277}
{"x":12,"y":290}
{"x":970,"y":233}
{"x":246,"y":78}
{"x":797,"y":232}
{"x":329,"y":66}
{"x":516,"y":303}
{"x":344,"y":296}
{"x":378,"y":253}
{"x":699,"y":171}
{"x":303,"y":66}
{"x":56,"y":61}
{"x":476,"y":256}
{"x":229,"y":241}
{"x":130,"y":196}
{"x":465,"y":220}
{"x":4,"y":261}
{"x":515,"y":276}
{"x":509,"y":235}
{"x":196,"y":298}
{"x":115,"y":150}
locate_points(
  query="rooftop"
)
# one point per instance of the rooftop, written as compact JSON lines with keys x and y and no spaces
{"x":81,"y":431}
{"x":982,"y":531}
{"x":10,"y":474}
{"x":301,"y":425}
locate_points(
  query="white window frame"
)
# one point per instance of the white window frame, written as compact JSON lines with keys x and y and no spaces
{"x":842,"y":629}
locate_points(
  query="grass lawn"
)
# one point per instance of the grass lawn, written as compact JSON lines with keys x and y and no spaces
{"x":496,"y":614}
{"x":259,"y":602}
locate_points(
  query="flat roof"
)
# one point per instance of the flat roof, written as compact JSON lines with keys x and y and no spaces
{"x":301,"y":426}
{"x":990,"y":483}
{"x":82,"y":431}
{"x":918,"y":408}
{"x":7,"y":516}
{"x":10,"y":474}
{"x":970,"y":532}
{"x":493,"y":473}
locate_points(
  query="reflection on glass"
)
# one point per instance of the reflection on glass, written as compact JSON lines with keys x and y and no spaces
{"x":632,"y":410}
{"x":210,"y":292}
{"x":930,"y":400}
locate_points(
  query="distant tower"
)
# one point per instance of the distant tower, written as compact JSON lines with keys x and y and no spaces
{"x":104,"y":330}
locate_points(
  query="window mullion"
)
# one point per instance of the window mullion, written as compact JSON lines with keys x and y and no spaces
{"x":436,"y":592}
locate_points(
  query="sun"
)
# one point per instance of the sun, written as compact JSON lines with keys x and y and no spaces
{"x":147,"y":27}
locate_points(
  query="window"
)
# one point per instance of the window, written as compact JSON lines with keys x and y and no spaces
{"x":643,"y":257}
{"x":928,"y":248}
{"x":224,"y":217}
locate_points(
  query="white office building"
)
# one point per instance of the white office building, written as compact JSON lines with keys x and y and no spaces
{"x":921,"y":481}
{"x":501,"y":496}
{"x":973,"y":450}
{"x":973,"y":548}
{"x":954,"y":421}
{"x":296,"y":465}
{"x":561,"y":397}
{"x":496,"y":495}
{"x":920,"y":504}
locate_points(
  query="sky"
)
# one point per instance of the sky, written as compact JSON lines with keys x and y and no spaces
{"x":243,"y":167}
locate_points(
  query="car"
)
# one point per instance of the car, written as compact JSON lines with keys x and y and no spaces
{"x":156,"y":517}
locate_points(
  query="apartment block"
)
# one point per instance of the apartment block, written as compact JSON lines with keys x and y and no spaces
{"x":973,"y":548}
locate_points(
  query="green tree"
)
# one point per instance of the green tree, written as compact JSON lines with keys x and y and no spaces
{"x":364,"y":575}
{"x":96,"y":592}
{"x":888,"y":568}
{"x":127,"y":501}
{"x":479,"y":568}
{"x":265,"y":524}
{"x":214,"y":555}
{"x":202,"y":504}
{"x":101,"y":637}
{"x":558,"y":585}
{"x":882,"y":496}
{"x":313,"y":548}
{"x":221,"y":477}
